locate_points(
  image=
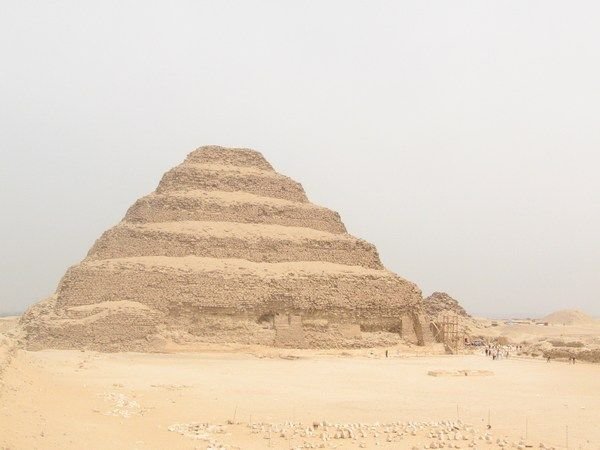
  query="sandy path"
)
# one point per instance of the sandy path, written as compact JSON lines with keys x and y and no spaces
{"x":62,"y":399}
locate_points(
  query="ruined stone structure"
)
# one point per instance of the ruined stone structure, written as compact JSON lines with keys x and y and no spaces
{"x":227,"y":250}
{"x":440,"y":303}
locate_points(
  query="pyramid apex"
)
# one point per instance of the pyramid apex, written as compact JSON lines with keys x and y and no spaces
{"x":230,"y":156}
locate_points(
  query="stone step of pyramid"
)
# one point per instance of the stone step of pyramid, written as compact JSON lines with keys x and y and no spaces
{"x":239,"y":207}
{"x":253,"y":242}
{"x":238,"y":157}
{"x":237,"y":285}
{"x":231,"y":179}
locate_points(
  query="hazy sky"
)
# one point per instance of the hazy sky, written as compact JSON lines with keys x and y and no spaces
{"x":462,"y":138}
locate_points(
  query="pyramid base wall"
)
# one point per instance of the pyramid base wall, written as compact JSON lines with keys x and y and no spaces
{"x":147,"y":330}
{"x":184,"y":292}
{"x":122,"y":326}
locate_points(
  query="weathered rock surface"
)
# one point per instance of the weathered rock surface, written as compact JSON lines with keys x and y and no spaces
{"x":440,"y":303}
{"x":239,"y":207}
{"x":227,"y":250}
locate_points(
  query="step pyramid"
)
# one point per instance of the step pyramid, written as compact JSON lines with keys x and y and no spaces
{"x":227,"y":250}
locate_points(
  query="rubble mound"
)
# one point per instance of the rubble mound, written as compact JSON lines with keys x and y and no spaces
{"x":441,"y":303}
{"x":227,"y":250}
{"x":568,"y":317}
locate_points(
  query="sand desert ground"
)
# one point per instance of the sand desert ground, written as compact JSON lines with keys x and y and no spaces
{"x":72,"y":399}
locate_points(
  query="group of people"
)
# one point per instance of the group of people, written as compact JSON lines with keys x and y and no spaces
{"x":497,"y":351}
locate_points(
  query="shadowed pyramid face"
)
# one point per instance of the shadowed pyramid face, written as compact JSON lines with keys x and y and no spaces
{"x":226,"y":250}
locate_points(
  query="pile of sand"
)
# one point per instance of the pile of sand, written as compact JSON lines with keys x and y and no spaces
{"x":568,"y":317}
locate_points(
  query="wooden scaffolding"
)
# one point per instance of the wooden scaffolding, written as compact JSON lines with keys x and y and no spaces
{"x":449,"y":332}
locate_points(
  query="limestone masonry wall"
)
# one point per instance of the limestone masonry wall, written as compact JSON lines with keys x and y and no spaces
{"x":330,"y":295}
{"x":289,"y":331}
{"x":188,"y":177}
{"x":123,"y":241}
{"x":105,"y":328}
{"x":167,"y":208}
